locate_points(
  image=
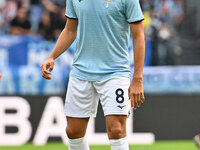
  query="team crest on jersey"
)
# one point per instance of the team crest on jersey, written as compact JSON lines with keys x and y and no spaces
{"x":107,"y":3}
{"x":80,"y":0}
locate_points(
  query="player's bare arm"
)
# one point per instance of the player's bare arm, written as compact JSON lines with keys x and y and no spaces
{"x":64,"y":41}
{"x":0,"y":75}
{"x":136,"y":94}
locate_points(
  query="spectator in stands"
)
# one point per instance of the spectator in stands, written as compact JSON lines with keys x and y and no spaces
{"x":45,"y":28}
{"x":20,"y":25}
{"x":36,"y":11}
{"x":54,"y":7}
{"x":59,"y":26}
{"x":49,"y":31}
{"x":164,"y":50}
{"x":152,"y":32}
{"x":10,"y":10}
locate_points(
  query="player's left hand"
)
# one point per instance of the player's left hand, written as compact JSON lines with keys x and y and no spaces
{"x":0,"y":75}
{"x":136,"y":93}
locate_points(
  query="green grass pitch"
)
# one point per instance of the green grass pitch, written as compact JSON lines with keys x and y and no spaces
{"x":159,"y":145}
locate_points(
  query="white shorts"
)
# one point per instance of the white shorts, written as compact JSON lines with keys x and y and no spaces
{"x":83,"y":96}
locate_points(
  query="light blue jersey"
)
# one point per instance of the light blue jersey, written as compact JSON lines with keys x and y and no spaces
{"x":103,"y":35}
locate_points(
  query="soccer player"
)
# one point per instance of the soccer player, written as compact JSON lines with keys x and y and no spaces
{"x":101,"y":69}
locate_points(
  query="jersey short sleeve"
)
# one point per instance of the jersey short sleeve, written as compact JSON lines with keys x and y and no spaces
{"x":70,"y":12}
{"x":133,"y":11}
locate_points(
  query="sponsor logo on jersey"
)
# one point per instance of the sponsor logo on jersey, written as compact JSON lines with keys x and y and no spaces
{"x":121,"y":107}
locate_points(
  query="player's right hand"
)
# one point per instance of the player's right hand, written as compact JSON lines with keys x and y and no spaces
{"x":48,"y":64}
{"x":136,"y":92}
{"x":0,"y":75}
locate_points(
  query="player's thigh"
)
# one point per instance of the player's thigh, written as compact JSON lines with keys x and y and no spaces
{"x":114,"y":96}
{"x":81,"y":99}
{"x":76,"y":127}
{"x":116,"y":126}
